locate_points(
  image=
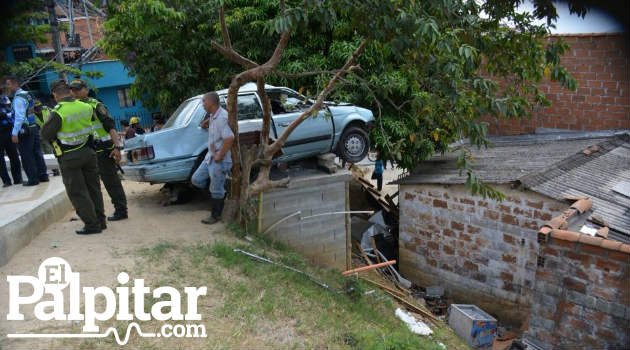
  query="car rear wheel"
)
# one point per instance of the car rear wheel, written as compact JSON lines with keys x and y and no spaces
{"x":354,"y":144}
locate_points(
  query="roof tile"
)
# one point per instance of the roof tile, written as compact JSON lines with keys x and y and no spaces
{"x":603,"y":232}
{"x":625,"y":248}
{"x":587,"y":239}
{"x":565,"y":235}
{"x":545,"y":230}
{"x":610,"y":244}
{"x":559,"y":222}
{"x":582,"y":205}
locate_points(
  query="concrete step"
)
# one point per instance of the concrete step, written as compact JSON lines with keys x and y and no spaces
{"x":26,"y":211}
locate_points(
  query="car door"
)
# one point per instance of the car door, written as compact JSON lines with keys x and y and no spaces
{"x":313,"y":136}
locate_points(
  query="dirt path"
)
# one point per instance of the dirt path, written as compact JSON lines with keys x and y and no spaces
{"x":98,"y":258}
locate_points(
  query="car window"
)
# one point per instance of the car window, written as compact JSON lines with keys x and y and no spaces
{"x":248,"y":107}
{"x":182,"y":114}
{"x":287,"y":101}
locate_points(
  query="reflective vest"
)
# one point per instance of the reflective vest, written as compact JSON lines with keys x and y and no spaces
{"x":76,"y":126}
{"x":45,"y":114}
{"x":30,"y":109}
{"x":102,"y":140}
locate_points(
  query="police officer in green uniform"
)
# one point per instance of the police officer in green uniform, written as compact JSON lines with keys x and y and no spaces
{"x":107,"y":149}
{"x":42,"y":113}
{"x":69,"y":129}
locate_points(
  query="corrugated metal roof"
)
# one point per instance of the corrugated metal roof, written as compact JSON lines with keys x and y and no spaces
{"x":593,"y":176}
{"x":510,"y":158}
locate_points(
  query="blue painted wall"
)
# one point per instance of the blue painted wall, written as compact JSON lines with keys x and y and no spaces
{"x":115,"y":77}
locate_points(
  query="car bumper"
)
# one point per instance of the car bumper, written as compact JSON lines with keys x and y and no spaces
{"x":161,"y":172}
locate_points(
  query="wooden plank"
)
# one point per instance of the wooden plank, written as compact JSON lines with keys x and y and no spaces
{"x":365,"y":182}
{"x":370,"y":267}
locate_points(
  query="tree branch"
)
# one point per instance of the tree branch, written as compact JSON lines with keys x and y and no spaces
{"x":234,"y":56}
{"x":275,"y":147}
{"x":224,"y":30}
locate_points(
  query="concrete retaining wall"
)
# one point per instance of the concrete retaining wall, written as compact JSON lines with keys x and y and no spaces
{"x":322,"y":239}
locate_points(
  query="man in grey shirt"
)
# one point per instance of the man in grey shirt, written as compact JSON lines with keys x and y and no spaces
{"x":218,"y":160}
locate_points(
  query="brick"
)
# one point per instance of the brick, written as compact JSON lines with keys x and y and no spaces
{"x":465,"y":237}
{"x":574,"y":284}
{"x":505,"y":208}
{"x":535,"y":205}
{"x":513,"y":199}
{"x":607,"y":265}
{"x":578,"y":324}
{"x":457,"y":226}
{"x":591,"y":249}
{"x":431,"y":262}
{"x":508,"y":277}
{"x":542,"y":215}
{"x":606,"y":334}
{"x":508,"y":239}
{"x":467,"y":201}
{"x":448,"y":232}
{"x":509,"y":219}
{"x":532,"y":225}
{"x":584,"y":259}
{"x":439,"y":203}
{"x":619,"y":256}
{"x":509,"y":258}
{"x":604,"y":293}
{"x":433,"y":245}
{"x":448,"y":250}
{"x":435,"y":194}
{"x":570,"y":308}
{"x":491,"y":214}
{"x":409,"y":196}
{"x":482,"y":204}
{"x":473,"y":229}
{"x":469,"y":265}
{"x":549,"y":251}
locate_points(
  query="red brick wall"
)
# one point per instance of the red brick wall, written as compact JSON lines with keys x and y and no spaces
{"x":483,"y":252}
{"x":80,"y":27}
{"x":582,"y":297}
{"x":600,"y":64}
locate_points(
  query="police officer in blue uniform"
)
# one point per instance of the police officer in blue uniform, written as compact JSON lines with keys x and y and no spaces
{"x":8,"y":147}
{"x":25,"y":133}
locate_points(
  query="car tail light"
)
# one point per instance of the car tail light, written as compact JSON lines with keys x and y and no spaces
{"x":140,"y":154}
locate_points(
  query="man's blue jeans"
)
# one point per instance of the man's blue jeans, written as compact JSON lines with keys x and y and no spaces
{"x":216,"y":172}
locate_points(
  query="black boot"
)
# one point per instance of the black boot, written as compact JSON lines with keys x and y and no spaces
{"x":118,"y":215}
{"x":217,"y":209}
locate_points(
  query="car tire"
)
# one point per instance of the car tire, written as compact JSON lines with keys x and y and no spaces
{"x":354,"y":144}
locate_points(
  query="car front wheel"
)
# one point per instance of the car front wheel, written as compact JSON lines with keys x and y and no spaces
{"x":354,"y":144}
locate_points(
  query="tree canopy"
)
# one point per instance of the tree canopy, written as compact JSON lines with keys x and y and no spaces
{"x":429,"y":69}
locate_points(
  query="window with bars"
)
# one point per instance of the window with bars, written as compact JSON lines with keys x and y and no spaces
{"x":124,"y":98}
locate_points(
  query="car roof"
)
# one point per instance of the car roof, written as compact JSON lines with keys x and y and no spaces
{"x":249,"y":87}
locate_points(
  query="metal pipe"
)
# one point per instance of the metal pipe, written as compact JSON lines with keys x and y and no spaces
{"x":260,"y":258}
{"x":339,"y":212}
{"x":281,"y":220}
{"x":89,"y":24}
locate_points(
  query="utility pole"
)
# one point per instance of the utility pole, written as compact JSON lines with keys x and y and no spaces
{"x":71,"y":41}
{"x":54,"y":29}
{"x":89,"y":24}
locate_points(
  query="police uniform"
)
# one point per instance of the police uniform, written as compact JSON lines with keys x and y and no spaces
{"x":28,"y":136}
{"x":8,"y":147}
{"x":70,"y":131}
{"x":42,"y":113}
{"x":103,"y":144}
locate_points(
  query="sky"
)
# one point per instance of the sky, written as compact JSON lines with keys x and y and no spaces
{"x":595,"y":21}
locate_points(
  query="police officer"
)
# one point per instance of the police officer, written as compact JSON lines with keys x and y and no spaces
{"x":69,"y":130}
{"x":107,"y":148}
{"x":25,"y":133}
{"x":42,"y":113}
{"x":6,"y":125}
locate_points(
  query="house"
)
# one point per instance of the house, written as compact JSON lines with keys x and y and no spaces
{"x":113,"y":90}
{"x":552,"y":258}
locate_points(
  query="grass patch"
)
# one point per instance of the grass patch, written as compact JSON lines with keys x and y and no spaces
{"x":253,"y":304}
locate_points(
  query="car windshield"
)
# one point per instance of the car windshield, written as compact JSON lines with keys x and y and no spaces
{"x":182,"y":114}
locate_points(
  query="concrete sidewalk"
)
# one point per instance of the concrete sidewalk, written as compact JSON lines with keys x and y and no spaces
{"x":26,"y":211}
